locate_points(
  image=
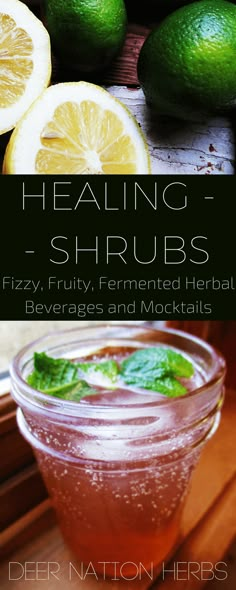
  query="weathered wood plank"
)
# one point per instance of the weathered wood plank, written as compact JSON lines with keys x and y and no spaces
{"x":182,"y":148}
{"x":175,"y":147}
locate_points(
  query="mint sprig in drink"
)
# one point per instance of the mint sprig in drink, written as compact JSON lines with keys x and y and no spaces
{"x":117,"y":417}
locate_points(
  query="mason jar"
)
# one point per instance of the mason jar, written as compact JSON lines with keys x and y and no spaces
{"x":118,"y":466}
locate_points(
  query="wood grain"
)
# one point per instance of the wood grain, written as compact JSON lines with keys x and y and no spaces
{"x":207,"y":529}
{"x":182,"y":148}
{"x":27,"y":527}
{"x":7,"y":404}
{"x":206,"y":545}
{"x":175,"y":147}
{"x":19,"y":494}
{"x":16,"y":453}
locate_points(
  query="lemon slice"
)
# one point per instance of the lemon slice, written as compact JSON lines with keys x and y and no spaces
{"x":77,"y":128}
{"x":25,"y":61}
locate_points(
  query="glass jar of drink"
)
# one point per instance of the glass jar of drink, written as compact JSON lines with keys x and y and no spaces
{"x":118,"y":464}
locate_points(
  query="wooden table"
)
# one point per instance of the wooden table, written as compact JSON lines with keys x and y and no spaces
{"x":182,"y":148}
{"x":208,"y":525}
{"x":175,"y":147}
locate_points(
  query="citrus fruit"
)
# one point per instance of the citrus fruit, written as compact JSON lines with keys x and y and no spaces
{"x":25,"y":61}
{"x":77,"y":128}
{"x":187,"y":65}
{"x":86,"y":34}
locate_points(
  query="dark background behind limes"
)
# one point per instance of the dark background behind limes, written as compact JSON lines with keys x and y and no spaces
{"x":155,"y":9}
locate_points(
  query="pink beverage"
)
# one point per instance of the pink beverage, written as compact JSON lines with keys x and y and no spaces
{"x":118,"y":464}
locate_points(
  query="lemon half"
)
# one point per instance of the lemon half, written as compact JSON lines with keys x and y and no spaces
{"x":25,"y":61}
{"x":77,"y":128}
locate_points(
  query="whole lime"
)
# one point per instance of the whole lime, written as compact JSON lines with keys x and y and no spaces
{"x":86,"y":34}
{"x":187,"y":66}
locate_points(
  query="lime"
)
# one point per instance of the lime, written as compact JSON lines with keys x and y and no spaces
{"x":187,"y":65}
{"x":86,"y":34}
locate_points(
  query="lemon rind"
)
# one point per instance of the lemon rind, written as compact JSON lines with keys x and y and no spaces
{"x":67,"y":91}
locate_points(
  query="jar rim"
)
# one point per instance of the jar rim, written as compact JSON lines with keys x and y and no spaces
{"x":58,"y":404}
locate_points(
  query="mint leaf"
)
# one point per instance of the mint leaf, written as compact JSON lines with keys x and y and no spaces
{"x":58,"y":377}
{"x":108,"y":369}
{"x":158,"y":362}
{"x":166,"y":385}
{"x":170,"y":386}
{"x":72,"y":392}
{"x":50,"y":373}
{"x":156,"y":369}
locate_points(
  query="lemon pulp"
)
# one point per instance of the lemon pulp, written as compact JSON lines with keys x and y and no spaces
{"x":77,"y":128}
{"x":16,"y":65}
{"x":25,"y":61}
{"x":85,"y":139}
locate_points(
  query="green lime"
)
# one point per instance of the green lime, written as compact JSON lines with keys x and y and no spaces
{"x":86,"y":34}
{"x":187,"y":66}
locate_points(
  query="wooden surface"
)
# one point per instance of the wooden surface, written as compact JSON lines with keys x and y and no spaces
{"x":176,"y":147}
{"x":181,"y":148}
{"x":208,"y":526}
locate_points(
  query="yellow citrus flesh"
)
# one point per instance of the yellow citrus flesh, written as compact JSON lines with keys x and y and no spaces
{"x":25,"y":61}
{"x":85,"y":139}
{"x":16,"y":64}
{"x":79,"y":129}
